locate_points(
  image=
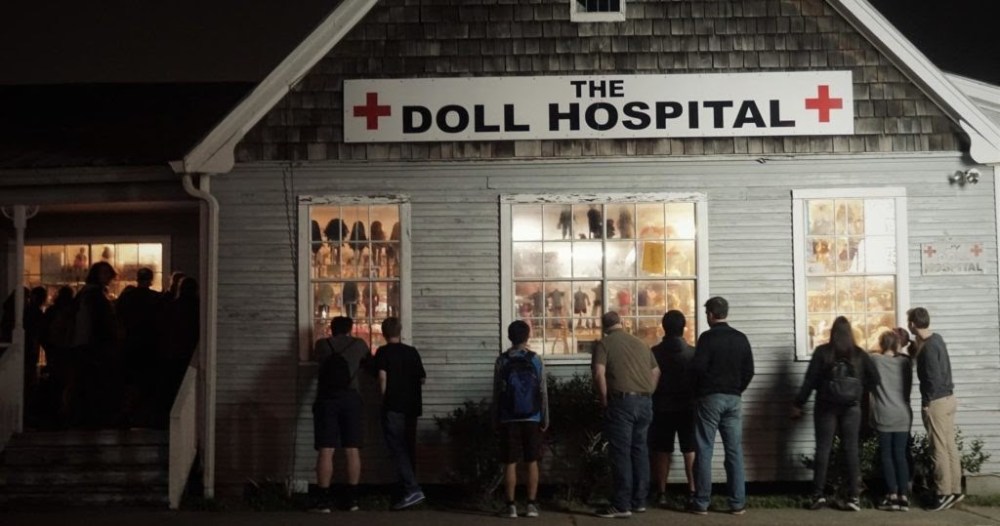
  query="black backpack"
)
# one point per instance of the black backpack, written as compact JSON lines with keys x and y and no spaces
{"x":843,"y":386}
{"x":335,"y":369}
{"x":520,"y":388}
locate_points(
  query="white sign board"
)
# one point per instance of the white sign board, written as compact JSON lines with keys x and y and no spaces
{"x":939,"y":259}
{"x":599,"y":107}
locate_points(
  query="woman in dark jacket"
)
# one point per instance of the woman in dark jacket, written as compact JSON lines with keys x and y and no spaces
{"x":840,"y":372}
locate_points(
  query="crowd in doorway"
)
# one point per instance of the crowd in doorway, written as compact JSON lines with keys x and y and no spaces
{"x":96,"y":361}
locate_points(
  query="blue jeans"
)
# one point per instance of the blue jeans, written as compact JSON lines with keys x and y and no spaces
{"x":625,"y":426}
{"x":394,"y":428}
{"x":722,"y":413}
{"x":895,"y":466}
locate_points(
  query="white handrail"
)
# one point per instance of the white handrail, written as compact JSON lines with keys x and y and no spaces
{"x":11,"y":379}
{"x":183,"y":436}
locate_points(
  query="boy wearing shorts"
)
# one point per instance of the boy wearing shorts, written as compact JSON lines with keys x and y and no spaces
{"x":520,"y":414}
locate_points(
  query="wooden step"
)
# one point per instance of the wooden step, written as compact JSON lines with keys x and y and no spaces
{"x":29,"y":455}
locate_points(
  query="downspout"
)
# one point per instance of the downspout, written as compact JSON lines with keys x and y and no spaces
{"x":209,"y":339}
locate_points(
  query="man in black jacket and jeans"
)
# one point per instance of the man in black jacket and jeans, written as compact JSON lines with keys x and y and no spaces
{"x":722,"y":369}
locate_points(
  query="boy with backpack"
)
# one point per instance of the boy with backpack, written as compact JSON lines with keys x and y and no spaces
{"x":520,"y":414}
{"x":337,"y":410}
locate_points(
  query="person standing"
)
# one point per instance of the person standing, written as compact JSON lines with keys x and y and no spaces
{"x":673,"y":405}
{"x":520,"y":413}
{"x":840,"y":372}
{"x":938,"y":403}
{"x":722,"y":369}
{"x":893,"y":416}
{"x":625,"y":375}
{"x":337,"y":410}
{"x":400,"y":377}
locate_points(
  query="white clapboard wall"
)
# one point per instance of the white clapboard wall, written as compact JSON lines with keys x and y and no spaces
{"x":265,"y":425}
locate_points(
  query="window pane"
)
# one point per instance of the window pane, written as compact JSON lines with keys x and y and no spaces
{"x":881,"y":293}
{"x":595,"y":222}
{"x":681,"y":296}
{"x":680,"y":221}
{"x":393,"y":254}
{"x":587,"y":259}
{"x":558,"y":220}
{"x":527,"y":260}
{"x":623,"y":218}
{"x":620,"y":258}
{"x":392,"y":299}
{"x":820,"y":295}
{"x":529,"y":299}
{"x":622,"y":294}
{"x":880,"y":217}
{"x":558,"y":298}
{"x":649,"y":330}
{"x":819,"y":218}
{"x":856,"y":218}
{"x":558,"y":259}
{"x":650,"y":221}
{"x":526,"y":222}
{"x":652,"y":258}
{"x":680,"y":258}
{"x":879,"y":254}
{"x":819,"y":259}
{"x":651,"y":298}
{"x":847,"y":255}
{"x":327,"y":300}
{"x":584,"y":304}
{"x":850,"y":295}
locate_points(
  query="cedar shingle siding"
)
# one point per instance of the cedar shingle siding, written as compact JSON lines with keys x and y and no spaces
{"x":436,"y":38}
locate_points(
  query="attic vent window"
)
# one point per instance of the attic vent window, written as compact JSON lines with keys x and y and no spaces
{"x":597,"y":10}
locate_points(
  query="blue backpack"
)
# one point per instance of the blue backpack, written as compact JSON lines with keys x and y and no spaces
{"x":520,"y":388}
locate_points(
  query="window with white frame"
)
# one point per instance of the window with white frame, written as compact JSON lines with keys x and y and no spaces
{"x":354,"y":254}
{"x":566,"y":260}
{"x":850,"y":260}
{"x":57,"y":263}
{"x":597,"y":10}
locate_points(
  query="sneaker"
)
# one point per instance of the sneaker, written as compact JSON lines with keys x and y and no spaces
{"x":691,"y":507}
{"x":956,"y":498}
{"x":903,"y":503}
{"x":353,"y":505}
{"x":852,"y":504}
{"x":639,"y":509}
{"x":661,"y":500}
{"x":410,"y":500}
{"x":319,"y":500}
{"x":888,"y":504}
{"x":941,"y":502}
{"x":738,"y":511}
{"x":818,"y":502}
{"x":531,"y":510}
{"x":509,"y":511}
{"x":612,"y":512}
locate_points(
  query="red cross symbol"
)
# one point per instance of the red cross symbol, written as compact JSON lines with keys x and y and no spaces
{"x":976,"y":250}
{"x":930,"y":251}
{"x":372,"y":111}
{"x":824,"y":103}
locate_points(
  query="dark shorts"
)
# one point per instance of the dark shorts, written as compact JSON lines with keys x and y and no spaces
{"x":666,"y":424}
{"x":337,"y":421}
{"x":520,"y":441}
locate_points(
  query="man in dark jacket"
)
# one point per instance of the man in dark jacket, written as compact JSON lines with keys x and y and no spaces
{"x":722,"y":370}
{"x":673,"y":404}
{"x":939,"y":405}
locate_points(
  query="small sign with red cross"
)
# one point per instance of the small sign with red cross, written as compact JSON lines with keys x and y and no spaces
{"x":951,"y":258}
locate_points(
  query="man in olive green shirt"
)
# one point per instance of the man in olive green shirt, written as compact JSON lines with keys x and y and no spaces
{"x":625,"y":375}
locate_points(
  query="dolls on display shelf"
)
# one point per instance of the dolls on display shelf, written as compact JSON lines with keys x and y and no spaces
{"x":598,"y":302}
{"x":595,"y":222}
{"x":392,"y":302}
{"x":371,"y":300}
{"x":359,"y":241}
{"x":350,"y":297}
{"x":625,"y":224}
{"x":378,"y":237}
{"x":336,"y":233}
{"x":392,"y":250}
{"x":581,"y":304}
{"x":566,"y":222}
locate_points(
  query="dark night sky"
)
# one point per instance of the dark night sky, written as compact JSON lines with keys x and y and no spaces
{"x":62,"y":41}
